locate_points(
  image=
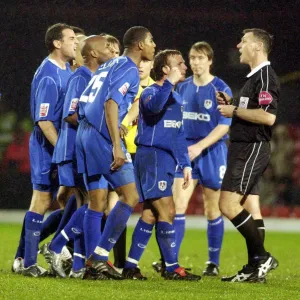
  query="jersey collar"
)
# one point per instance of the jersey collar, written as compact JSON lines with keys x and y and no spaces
{"x":265,"y":63}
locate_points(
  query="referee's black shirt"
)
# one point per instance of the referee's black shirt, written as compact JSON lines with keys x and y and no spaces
{"x":261,"y":90}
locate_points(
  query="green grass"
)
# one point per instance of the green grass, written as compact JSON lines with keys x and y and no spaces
{"x":283,"y":283}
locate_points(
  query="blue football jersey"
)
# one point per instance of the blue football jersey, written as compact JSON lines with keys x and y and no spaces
{"x":65,"y":146}
{"x":200,"y":113}
{"x":160,"y":121}
{"x":118,"y":79}
{"x":48,"y":89}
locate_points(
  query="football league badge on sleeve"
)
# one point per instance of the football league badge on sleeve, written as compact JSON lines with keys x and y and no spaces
{"x":162,"y":185}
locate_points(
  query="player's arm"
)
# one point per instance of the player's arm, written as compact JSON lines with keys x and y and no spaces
{"x":49,"y":131}
{"x":112,"y":121}
{"x":215,"y":135}
{"x":132,"y":114}
{"x":72,"y":119}
{"x":257,"y":116}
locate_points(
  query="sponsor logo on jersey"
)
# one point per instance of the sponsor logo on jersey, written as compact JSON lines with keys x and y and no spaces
{"x":244,"y":102}
{"x":172,"y":124}
{"x":162,"y":185}
{"x":207,"y":104}
{"x":73,"y":104}
{"x":44,"y":109}
{"x":196,"y":116}
{"x":264,"y":98}
{"x":124,"y":88}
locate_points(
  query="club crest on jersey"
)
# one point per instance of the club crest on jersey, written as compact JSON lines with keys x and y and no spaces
{"x":124,"y":88}
{"x":207,"y":104}
{"x":44,"y":109}
{"x":73,"y":104}
{"x":264,"y":98}
{"x":162,"y":185}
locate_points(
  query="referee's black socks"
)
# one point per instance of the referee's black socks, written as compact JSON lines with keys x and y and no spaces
{"x":246,"y":225}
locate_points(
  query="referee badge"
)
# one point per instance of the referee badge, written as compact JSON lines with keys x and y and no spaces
{"x":162,"y":185}
{"x":207,"y":104}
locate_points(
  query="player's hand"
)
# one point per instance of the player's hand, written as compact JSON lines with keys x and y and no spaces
{"x":174,"y":74}
{"x":223,"y":98}
{"x":194,"y":151}
{"x":123,"y":131}
{"x":226,"y":110}
{"x":119,"y":158}
{"x":187,"y":177}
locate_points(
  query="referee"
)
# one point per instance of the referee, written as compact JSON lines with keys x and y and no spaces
{"x":253,"y":114}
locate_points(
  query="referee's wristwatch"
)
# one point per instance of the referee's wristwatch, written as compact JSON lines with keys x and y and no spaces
{"x":234,"y":111}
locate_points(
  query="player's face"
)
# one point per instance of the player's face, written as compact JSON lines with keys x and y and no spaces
{"x":115,"y":50}
{"x":149,"y":47}
{"x":68,"y":44}
{"x":247,"y":48}
{"x":178,"y":61}
{"x":199,"y":62}
{"x":78,"y":58}
{"x":103,"y":50}
{"x":145,"y":68}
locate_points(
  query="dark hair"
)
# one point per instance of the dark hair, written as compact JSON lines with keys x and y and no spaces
{"x":78,"y":30}
{"x":263,"y":36}
{"x":204,"y":47}
{"x":111,"y":39}
{"x":161,"y":59}
{"x":134,"y":35}
{"x":53,"y":33}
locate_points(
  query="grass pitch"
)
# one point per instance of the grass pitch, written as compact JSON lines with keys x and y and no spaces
{"x":283,"y":283}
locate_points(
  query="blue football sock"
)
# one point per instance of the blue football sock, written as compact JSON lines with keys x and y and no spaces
{"x":166,"y":238}
{"x":70,"y":231}
{"x":215,"y":233}
{"x":79,"y":253}
{"x":70,"y":208}
{"x":179,"y":225}
{"x":91,"y":229}
{"x":140,"y":239}
{"x":21,"y":247}
{"x":115,"y":224}
{"x":51,"y":224}
{"x":33,"y":225}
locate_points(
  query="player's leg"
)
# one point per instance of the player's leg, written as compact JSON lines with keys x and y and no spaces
{"x":78,"y":268}
{"x":140,"y":238}
{"x":215,"y":230}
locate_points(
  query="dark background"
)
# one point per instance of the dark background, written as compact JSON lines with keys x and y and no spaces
{"x":174,"y":24}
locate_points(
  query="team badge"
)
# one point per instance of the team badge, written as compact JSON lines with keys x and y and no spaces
{"x":124,"y":88}
{"x":244,"y":102}
{"x":44,"y":109}
{"x":162,"y":185}
{"x":264,"y":98}
{"x":207,"y":104}
{"x":73,"y":104}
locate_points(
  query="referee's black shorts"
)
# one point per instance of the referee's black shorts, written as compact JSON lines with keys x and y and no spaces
{"x":246,"y":165}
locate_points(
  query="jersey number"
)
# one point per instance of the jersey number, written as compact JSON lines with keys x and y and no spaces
{"x":222,"y":171}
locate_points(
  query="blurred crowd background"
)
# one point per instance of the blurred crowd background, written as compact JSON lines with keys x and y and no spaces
{"x":174,"y":24}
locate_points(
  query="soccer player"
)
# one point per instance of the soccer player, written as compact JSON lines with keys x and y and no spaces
{"x":47,"y":93}
{"x":253,"y":113}
{"x":95,"y":51}
{"x":161,"y":147}
{"x":100,"y":151}
{"x":206,"y":133}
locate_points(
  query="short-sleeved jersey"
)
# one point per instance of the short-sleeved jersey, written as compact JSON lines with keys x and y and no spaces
{"x":200,"y":113}
{"x":160,"y":122}
{"x":261,"y":90}
{"x":118,"y":79}
{"x":132,"y":128}
{"x":48,"y":90}
{"x":65,"y":146}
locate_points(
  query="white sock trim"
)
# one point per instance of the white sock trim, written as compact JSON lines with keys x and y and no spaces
{"x":170,"y":265}
{"x":64,"y":235}
{"x":79,"y":255}
{"x":100,"y":251}
{"x":131,"y":260}
{"x":243,"y":222}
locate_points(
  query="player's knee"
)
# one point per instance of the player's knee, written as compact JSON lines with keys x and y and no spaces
{"x":224,"y":207}
{"x":148,"y":217}
{"x":212,"y":212}
{"x":131,"y":199}
{"x":181,"y":207}
{"x":62,"y":199}
{"x":172,"y":214}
